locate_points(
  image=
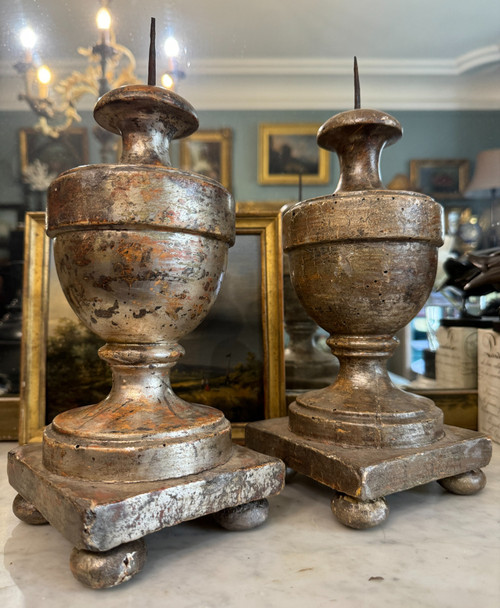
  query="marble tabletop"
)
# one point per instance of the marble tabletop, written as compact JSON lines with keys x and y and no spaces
{"x":435,"y":550}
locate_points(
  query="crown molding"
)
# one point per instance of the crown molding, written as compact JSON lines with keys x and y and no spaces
{"x":478,"y":58}
{"x":317,"y":66}
{"x":299,"y":84}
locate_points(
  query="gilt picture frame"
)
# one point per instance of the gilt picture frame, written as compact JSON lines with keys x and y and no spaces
{"x":440,"y":178}
{"x":12,"y":236}
{"x":209,"y":153}
{"x":258,"y":228}
{"x":34,"y":329}
{"x":287,"y":150}
{"x":70,"y":149}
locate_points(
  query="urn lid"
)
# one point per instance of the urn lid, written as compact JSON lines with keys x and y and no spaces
{"x":361,"y":209}
{"x":359,"y":136}
{"x":137,"y":104}
{"x":143,"y":191}
{"x":148,"y":118}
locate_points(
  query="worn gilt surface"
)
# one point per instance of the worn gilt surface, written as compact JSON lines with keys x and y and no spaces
{"x":99,"y":516}
{"x":368,"y":473}
{"x":363,"y":261}
{"x":140,"y":250}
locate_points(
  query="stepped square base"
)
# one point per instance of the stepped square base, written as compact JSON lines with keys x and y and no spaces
{"x":371,"y":473}
{"x":98,"y":516}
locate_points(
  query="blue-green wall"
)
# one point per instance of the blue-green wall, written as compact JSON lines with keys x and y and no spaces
{"x":426,"y":135}
{"x":436,"y":134}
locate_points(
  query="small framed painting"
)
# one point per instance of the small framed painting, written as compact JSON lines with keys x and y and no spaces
{"x":208,"y":153}
{"x":45,"y":157}
{"x":289,"y":150}
{"x":441,"y":179}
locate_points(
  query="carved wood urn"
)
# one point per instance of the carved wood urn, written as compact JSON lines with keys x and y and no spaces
{"x":362,"y":262}
{"x":140,"y":250}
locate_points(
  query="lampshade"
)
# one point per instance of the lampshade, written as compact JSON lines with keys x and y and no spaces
{"x":486,"y":175}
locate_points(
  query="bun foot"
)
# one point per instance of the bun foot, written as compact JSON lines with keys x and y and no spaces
{"x":109,"y":568}
{"x":243,"y":517}
{"x":465,"y":483}
{"x":26,"y":511}
{"x":359,"y":514}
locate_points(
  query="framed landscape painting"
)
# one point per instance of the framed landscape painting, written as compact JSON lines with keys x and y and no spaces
{"x":289,"y":150}
{"x":234,"y":360}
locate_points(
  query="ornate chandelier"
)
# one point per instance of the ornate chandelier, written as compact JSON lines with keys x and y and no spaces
{"x":110,"y":65}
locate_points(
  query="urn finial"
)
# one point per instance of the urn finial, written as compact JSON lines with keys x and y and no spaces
{"x":358,"y":137}
{"x":147,"y":118}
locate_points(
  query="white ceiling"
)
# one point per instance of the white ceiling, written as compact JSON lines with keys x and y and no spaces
{"x":418,"y":54}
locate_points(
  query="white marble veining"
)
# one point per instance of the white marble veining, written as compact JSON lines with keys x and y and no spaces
{"x":435,"y":550}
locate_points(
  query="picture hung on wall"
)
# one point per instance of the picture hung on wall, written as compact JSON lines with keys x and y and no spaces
{"x":11,"y":269}
{"x":289,"y":150}
{"x":234,"y":360}
{"x":208,"y":153}
{"x":44,"y":157}
{"x":11,"y":283}
{"x":441,"y":179}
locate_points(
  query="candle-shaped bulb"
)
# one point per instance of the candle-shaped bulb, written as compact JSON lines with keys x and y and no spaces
{"x":152,"y":54}
{"x":103,"y":19}
{"x":357,"y":90}
{"x":27,"y":37}
{"x":167,"y":81}
{"x":172,"y":50}
{"x":44,"y":77}
{"x":28,"y":40}
{"x":43,"y":74}
{"x":171,"y":47}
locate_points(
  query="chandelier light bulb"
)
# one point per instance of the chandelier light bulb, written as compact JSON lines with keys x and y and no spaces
{"x":171,"y":47}
{"x":27,"y":37}
{"x":43,"y":74}
{"x":103,"y":19}
{"x":167,"y":81}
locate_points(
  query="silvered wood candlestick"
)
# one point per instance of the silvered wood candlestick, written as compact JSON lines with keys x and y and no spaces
{"x":363,"y":261}
{"x":140,"y":250}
